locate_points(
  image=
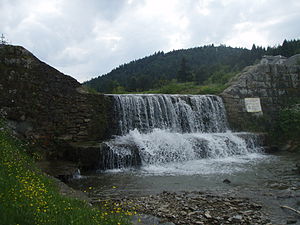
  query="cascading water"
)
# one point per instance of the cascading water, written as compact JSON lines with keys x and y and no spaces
{"x":161,"y":130}
{"x":177,"y":113}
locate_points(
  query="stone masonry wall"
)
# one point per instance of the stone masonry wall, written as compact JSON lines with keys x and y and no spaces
{"x":275,"y":85}
{"x":54,"y":109}
{"x":46,"y":105}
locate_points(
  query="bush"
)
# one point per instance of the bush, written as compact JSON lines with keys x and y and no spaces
{"x":187,"y":88}
{"x":289,"y":122}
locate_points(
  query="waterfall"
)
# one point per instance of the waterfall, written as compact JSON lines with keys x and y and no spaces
{"x":177,"y":113}
{"x":161,"y":129}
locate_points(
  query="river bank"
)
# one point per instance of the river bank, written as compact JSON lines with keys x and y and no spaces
{"x":197,"y":208}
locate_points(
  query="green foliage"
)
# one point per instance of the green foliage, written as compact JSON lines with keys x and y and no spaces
{"x":118,"y":90}
{"x":287,"y":126}
{"x":192,"y":88}
{"x":289,"y":123}
{"x":159,"y":69}
{"x":176,"y":88}
{"x":29,"y":197}
{"x":287,"y":49}
{"x":213,"y":89}
{"x":204,"y":65}
{"x":89,"y":90}
{"x":184,"y":74}
{"x":221,"y":75}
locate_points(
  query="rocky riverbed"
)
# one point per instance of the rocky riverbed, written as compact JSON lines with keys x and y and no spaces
{"x":271,"y":182}
{"x":196,"y":208}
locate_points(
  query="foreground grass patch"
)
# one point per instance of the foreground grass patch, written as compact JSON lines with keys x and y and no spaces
{"x":29,"y":197}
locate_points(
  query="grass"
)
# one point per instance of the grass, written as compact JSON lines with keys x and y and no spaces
{"x":27,"y":196}
{"x":190,"y":88}
{"x":182,"y":88}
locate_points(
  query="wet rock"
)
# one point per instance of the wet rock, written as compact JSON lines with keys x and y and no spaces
{"x":62,"y":170}
{"x":291,"y":221}
{"x":271,"y":149}
{"x":298,"y":167}
{"x":226,"y":181}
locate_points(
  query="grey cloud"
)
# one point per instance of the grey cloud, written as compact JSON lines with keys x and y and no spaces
{"x":89,"y":38}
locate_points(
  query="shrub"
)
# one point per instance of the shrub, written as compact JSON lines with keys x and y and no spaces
{"x":289,"y":122}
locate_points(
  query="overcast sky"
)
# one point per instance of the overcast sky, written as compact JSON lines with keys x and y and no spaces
{"x":88,"y":38}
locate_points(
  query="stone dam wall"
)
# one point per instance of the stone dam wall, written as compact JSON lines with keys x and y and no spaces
{"x":274,"y":86}
{"x":47,"y":106}
{"x":56,"y":112}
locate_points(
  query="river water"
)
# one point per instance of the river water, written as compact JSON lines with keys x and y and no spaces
{"x":184,"y":143}
{"x":271,"y":180}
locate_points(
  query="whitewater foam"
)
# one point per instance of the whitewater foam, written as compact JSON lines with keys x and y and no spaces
{"x":176,"y":133}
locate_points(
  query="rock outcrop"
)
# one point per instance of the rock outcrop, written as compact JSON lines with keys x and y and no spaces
{"x":276,"y":86}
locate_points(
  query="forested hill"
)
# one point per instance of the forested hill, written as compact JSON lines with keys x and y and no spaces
{"x":200,"y":65}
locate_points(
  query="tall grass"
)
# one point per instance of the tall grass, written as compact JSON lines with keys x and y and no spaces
{"x":27,"y":196}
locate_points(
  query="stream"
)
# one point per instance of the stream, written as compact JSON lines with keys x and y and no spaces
{"x":268,"y":179}
{"x":183,"y":143}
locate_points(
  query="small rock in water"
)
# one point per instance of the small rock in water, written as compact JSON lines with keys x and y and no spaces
{"x":226,"y":181}
{"x":291,"y":221}
{"x":298,"y":167}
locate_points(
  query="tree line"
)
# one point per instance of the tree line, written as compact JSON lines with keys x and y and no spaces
{"x":202,"y":65}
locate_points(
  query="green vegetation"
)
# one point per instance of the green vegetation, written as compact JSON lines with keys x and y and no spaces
{"x":184,"y":88}
{"x":286,"y":128}
{"x":29,"y":197}
{"x":89,"y":90}
{"x":189,"y":88}
{"x":289,"y":123}
{"x":215,"y":84}
{"x":207,"y":65}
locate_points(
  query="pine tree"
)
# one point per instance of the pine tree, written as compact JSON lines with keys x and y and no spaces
{"x":183,"y":73}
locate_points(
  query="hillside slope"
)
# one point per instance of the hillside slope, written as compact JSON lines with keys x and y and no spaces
{"x":194,"y":64}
